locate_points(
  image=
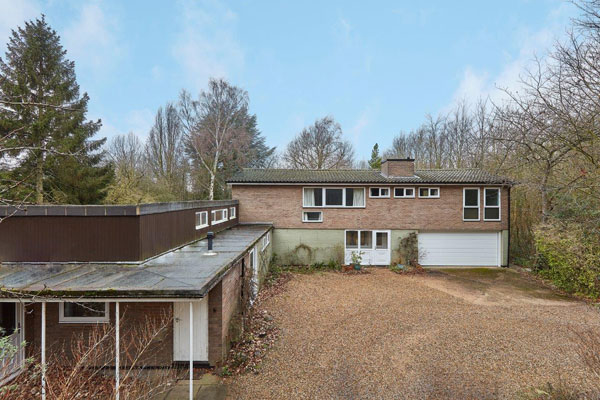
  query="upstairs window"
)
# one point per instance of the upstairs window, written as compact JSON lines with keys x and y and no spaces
{"x":404,"y":192}
{"x":491,"y":204}
{"x":312,"y":216}
{"x":379,"y":192}
{"x":219,"y":216}
{"x":471,"y":204}
{"x":201,"y":219}
{"x":429,"y":192}
{"x":333,"y":197}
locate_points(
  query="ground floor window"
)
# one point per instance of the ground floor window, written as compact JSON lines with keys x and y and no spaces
{"x":373,"y":246}
{"x":83,"y":312}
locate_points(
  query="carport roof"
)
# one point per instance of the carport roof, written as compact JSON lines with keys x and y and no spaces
{"x":184,"y":272}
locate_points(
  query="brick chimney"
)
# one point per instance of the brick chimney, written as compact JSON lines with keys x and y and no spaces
{"x":397,"y":167}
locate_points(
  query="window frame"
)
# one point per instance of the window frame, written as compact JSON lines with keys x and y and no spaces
{"x":312,"y":221}
{"x":232,"y":212}
{"x":218,"y":221}
{"x":343,"y":196}
{"x":266,"y":241}
{"x":429,"y":192}
{"x":380,"y":196}
{"x":485,"y":189}
{"x":62,"y":319}
{"x":472,"y":207}
{"x":201,"y":225}
{"x":405,"y":196}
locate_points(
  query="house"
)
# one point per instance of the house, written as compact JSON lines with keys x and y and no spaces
{"x":461,"y":216}
{"x":66,"y":269}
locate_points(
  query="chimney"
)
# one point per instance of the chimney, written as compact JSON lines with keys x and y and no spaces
{"x":398,"y":167}
{"x":209,"y":237}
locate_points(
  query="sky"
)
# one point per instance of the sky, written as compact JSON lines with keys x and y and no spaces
{"x":377,"y":67}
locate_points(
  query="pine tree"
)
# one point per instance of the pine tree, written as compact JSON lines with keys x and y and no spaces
{"x":40,"y":102}
{"x":375,"y":161}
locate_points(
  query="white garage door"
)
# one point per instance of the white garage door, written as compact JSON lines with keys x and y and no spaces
{"x":473,"y":248}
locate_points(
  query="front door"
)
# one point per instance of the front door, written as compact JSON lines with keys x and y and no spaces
{"x":181,"y":331}
{"x":12,"y":327}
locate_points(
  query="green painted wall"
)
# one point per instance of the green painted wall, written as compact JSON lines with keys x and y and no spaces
{"x":306,"y":246}
{"x":396,"y":237}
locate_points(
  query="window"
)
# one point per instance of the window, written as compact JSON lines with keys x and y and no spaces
{"x":312,"y":216}
{"x":381,"y":240}
{"x":366,"y":239}
{"x":201,"y":219}
{"x":471,"y":204}
{"x":431,"y":193}
{"x":377,"y":192}
{"x":266,"y":240}
{"x":83,"y":312}
{"x":403,"y":192}
{"x":491,"y":204}
{"x":219,"y":216}
{"x":333,"y":197}
{"x":231,"y":212}
{"x":352,"y":239}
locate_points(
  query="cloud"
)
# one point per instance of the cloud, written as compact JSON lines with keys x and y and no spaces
{"x":14,"y":14}
{"x":90,"y":39}
{"x":206,"y":45}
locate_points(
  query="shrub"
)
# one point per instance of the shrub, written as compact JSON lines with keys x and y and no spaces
{"x":569,"y":255}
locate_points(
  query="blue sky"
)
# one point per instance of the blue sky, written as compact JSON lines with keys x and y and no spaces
{"x":378,"y":67}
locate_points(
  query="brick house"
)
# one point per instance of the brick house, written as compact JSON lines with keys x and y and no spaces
{"x":461,"y":216}
{"x":66,"y":269}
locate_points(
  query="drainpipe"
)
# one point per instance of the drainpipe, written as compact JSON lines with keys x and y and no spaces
{"x":43,"y":351}
{"x":508,"y":244}
{"x":117,"y":351}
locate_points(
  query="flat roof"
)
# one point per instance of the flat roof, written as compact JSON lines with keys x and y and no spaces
{"x":183,"y":272}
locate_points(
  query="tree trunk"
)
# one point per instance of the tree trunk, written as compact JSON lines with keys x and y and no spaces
{"x":39,"y":179}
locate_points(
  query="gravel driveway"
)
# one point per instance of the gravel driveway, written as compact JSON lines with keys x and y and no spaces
{"x":474,"y":334}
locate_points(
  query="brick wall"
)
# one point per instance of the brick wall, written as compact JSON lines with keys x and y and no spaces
{"x":282,"y":205}
{"x":59,"y":337}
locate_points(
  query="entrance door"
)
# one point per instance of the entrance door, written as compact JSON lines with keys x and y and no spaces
{"x":373,"y":246}
{"x":12,"y":320}
{"x":381,"y":252}
{"x":181,"y":331}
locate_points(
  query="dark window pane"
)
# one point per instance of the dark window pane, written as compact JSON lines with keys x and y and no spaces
{"x":84,"y":310}
{"x":349,"y":197}
{"x":409,"y":192}
{"x":334,"y":197}
{"x":351,"y":239}
{"x":434,"y":192}
{"x":492,"y":213}
{"x":312,"y":216}
{"x":491,"y":197}
{"x":471,"y":197}
{"x":374,"y":192}
{"x":381,"y":241}
{"x":8,"y":324}
{"x":399,"y":192}
{"x":318,"y":197}
{"x":366,"y":239}
{"x":471,"y":213}
{"x":423,"y":192}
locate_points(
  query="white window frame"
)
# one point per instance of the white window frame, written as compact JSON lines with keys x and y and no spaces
{"x":478,"y":204}
{"x":266,"y":240}
{"x":498,"y":206}
{"x":312,"y":221}
{"x":201,"y":225}
{"x":62,"y":319}
{"x":380,"y":196}
{"x":231,"y":212}
{"x":343,"y":196}
{"x":218,"y":221}
{"x":428,"y":192}
{"x":405,"y":196}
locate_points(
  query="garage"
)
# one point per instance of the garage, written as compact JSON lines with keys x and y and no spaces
{"x":460,"y":248}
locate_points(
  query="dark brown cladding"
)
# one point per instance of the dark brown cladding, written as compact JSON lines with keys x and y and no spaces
{"x":103,"y":233}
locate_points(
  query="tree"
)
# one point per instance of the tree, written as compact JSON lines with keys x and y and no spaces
{"x":42,"y":121}
{"x":216,"y":130}
{"x":164,"y":153}
{"x":320,"y":146}
{"x":375,"y":161}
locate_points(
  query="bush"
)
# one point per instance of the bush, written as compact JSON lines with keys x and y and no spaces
{"x":569,"y":256}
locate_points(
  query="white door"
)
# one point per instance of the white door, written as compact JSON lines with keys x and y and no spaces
{"x":460,"y":248}
{"x":381,"y":252}
{"x":373,"y":246}
{"x":181,"y":330}
{"x":12,"y":322}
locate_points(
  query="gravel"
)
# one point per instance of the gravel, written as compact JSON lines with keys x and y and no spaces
{"x":388,"y":336}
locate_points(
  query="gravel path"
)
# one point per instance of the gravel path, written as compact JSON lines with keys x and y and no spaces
{"x":387,"y":336}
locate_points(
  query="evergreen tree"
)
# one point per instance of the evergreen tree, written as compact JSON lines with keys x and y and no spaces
{"x":375,"y":161}
{"x":41,"y":105}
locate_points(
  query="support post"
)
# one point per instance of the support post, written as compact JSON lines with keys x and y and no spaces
{"x":191,"y":351}
{"x":43,"y":351}
{"x":117,"y":351}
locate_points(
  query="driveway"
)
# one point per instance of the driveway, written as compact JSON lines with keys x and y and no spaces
{"x":469,"y":334}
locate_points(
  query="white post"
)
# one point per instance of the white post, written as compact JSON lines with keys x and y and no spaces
{"x":191,"y":351}
{"x":43,"y":351}
{"x":117,"y":351}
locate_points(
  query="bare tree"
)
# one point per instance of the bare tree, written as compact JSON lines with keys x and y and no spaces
{"x":320,"y":146}
{"x":215,"y":127}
